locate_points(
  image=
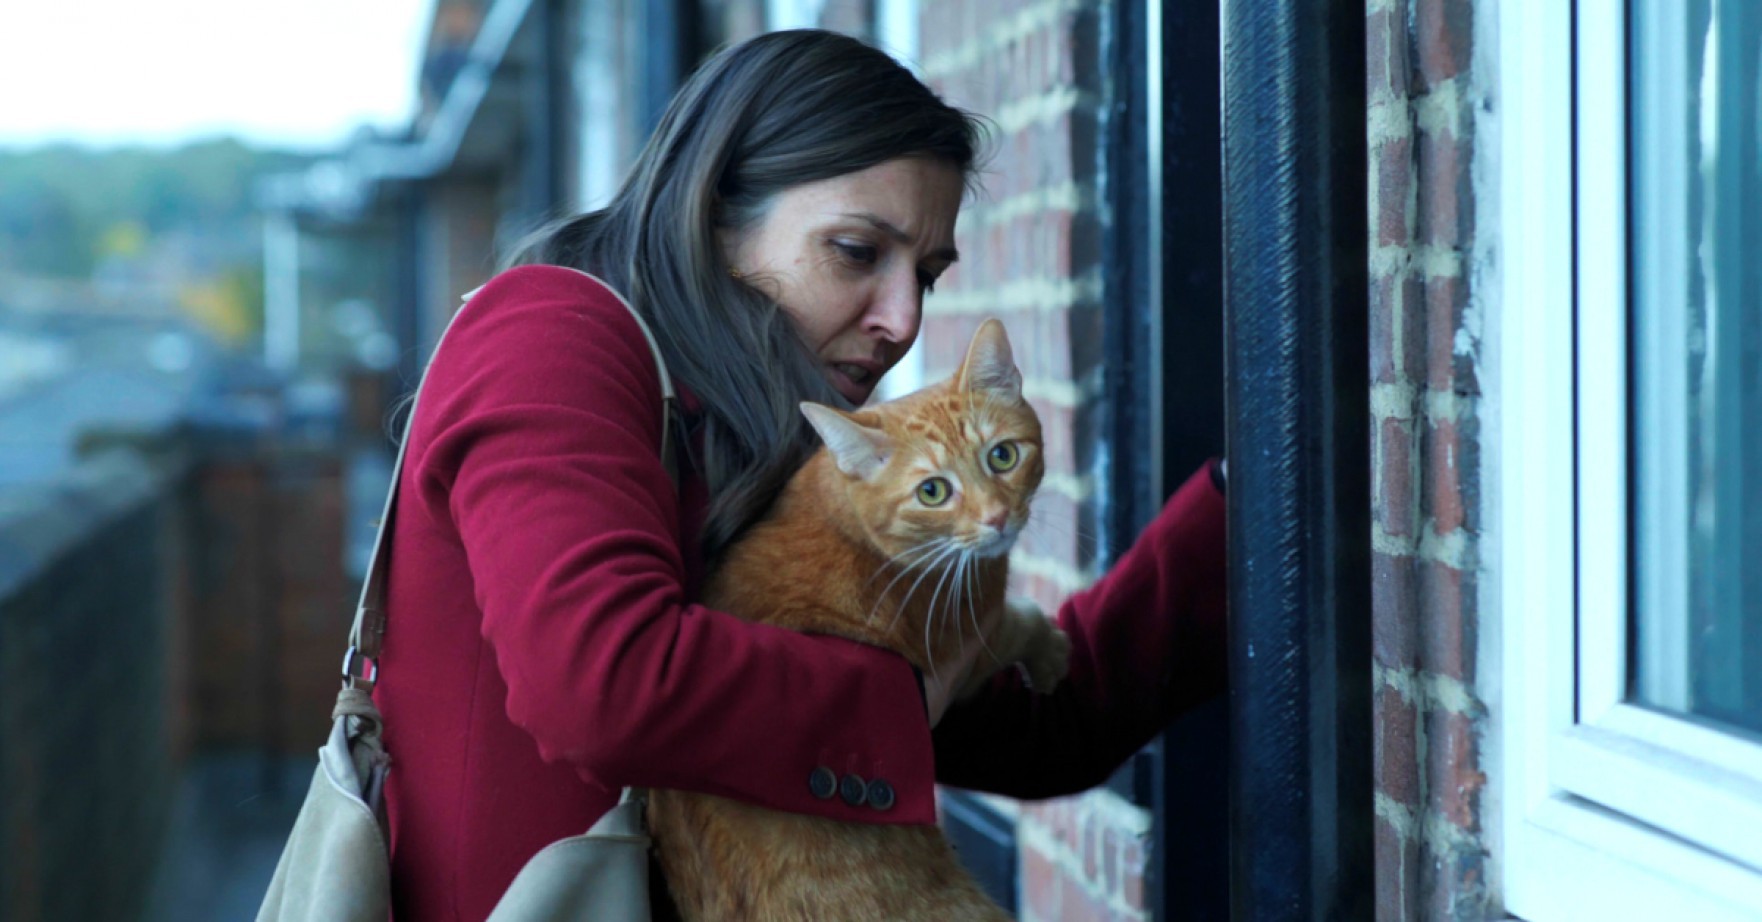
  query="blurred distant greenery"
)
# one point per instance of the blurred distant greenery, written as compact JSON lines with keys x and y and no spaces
{"x":65,"y":208}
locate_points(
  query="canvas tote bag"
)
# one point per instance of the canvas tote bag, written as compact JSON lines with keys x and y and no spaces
{"x":336,"y":864}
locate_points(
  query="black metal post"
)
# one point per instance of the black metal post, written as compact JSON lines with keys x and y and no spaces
{"x":1297,"y":429}
{"x":1190,"y":840}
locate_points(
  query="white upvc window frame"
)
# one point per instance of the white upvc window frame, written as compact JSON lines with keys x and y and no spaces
{"x":1602,"y":809}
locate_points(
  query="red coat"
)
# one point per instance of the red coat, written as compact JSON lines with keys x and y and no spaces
{"x":542,"y":649}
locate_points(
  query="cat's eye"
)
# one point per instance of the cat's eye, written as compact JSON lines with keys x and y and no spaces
{"x":1003,"y":457}
{"x":934,"y":492}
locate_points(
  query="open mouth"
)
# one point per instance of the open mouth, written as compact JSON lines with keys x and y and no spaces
{"x":853,"y":381}
{"x":856,"y":373}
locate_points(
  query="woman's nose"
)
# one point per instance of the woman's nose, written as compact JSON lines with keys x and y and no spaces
{"x":897,"y":311}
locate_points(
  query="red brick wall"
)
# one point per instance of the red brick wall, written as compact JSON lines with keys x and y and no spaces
{"x":1032,"y":241}
{"x":1423,"y":92}
{"x":1032,"y":258}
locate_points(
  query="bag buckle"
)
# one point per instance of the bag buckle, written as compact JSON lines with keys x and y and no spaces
{"x":359,"y":670}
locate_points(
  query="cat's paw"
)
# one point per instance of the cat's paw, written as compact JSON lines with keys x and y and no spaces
{"x":1048,"y":660}
{"x":1025,"y":610}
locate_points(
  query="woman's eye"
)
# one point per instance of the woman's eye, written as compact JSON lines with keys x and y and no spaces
{"x":1003,"y":457}
{"x":934,"y":492}
{"x":927,"y":282}
{"x":856,"y":252}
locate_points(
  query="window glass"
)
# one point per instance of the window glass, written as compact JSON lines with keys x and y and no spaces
{"x":1696,"y":187}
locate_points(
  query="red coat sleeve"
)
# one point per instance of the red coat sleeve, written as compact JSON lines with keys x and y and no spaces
{"x":538,"y":436}
{"x":1147,"y":642}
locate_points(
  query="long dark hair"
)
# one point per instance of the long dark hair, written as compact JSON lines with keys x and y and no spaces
{"x":756,"y":118}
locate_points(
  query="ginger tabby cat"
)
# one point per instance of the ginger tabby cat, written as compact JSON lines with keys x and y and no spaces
{"x":897,"y":534}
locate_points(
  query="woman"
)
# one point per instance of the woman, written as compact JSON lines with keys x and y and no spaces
{"x":542,"y":650}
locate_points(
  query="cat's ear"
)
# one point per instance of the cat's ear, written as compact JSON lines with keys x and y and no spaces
{"x":858,"y":450}
{"x":990,"y":365}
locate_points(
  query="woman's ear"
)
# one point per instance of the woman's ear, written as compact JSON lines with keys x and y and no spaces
{"x":728,"y":242}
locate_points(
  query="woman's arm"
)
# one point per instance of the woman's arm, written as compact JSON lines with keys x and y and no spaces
{"x":1147,"y":642}
{"x":540,"y":430}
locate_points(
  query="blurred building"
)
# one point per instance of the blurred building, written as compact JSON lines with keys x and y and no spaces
{"x":1553,"y":213}
{"x":171,"y":548}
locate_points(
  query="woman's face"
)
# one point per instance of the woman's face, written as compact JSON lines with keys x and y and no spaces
{"x":850,"y":258}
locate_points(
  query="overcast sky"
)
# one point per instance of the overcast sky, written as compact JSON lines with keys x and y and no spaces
{"x":301,"y":73}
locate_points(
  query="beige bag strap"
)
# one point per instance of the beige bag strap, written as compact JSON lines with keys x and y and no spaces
{"x":361,"y":662}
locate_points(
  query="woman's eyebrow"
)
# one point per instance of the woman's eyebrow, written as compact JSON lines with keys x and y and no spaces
{"x":886,"y":227}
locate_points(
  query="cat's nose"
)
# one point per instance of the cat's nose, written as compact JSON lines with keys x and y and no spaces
{"x":997,"y":520}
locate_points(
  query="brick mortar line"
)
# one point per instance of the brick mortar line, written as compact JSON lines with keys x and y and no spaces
{"x":1066,"y":196}
{"x":1068,"y":860}
{"x":1391,"y":116}
{"x":1013,"y":29}
{"x":1017,"y":114}
{"x":1065,"y":393}
{"x":1441,"y":110}
{"x":1388,"y":117}
{"x":1443,"y":404}
{"x":1076,"y":487}
{"x":1399,"y":815}
{"x":1120,"y":812}
{"x":1066,"y":577}
{"x":1040,"y":295}
{"x":1436,"y":833}
{"x":1450,"y":550}
{"x":1425,"y":260}
{"x":1405,"y":401}
{"x":1395,"y":400}
{"x":1111,"y":812}
{"x":1428,"y":691}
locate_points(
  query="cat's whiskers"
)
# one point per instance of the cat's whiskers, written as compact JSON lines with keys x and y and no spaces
{"x":958,"y":588}
{"x":971,"y":570}
{"x":931,"y":562}
{"x":947,"y":572}
{"x":933,"y":613}
{"x":946,"y":548}
{"x":1041,"y":516}
{"x":924,"y":552}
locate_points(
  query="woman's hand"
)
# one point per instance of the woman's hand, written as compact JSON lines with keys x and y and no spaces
{"x":939,"y":689}
{"x":942,"y":687}
{"x":1022,"y":636}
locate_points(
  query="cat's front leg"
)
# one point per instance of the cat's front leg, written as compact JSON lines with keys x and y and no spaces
{"x":1046,"y":650}
{"x":1024,"y":635}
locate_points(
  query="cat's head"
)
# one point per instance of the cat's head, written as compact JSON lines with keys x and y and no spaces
{"x":954,"y":465}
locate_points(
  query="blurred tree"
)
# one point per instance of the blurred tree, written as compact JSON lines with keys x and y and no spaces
{"x":229,"y":306}
{"x":125,"y":239}
{"x":60,"y":204}
{"x":42,"y":232}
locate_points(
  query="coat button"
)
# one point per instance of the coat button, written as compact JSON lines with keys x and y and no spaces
{"x":880,"y":795}
{"x":853,"y":790}
{"x":823,"y":783}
